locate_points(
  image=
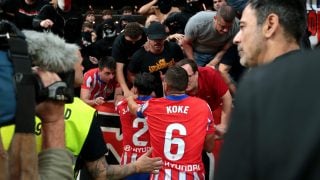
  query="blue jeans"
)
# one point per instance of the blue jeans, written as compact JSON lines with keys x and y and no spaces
{"x":140,"y":176}
{"x":202,"y":58}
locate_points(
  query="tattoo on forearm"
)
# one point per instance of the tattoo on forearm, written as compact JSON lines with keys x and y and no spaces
{"x":119,"y":171}
{"x":100,"y":169}
{"x":97,"y":168}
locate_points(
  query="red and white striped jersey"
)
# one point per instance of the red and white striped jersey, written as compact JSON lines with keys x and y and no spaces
{"x":135,"y":132}
{"x":178,"y":126}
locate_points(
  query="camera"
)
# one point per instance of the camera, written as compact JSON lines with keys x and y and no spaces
{"x":60,"y":91}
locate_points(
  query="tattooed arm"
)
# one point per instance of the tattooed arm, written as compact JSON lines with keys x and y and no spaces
{"x":100,"y":169}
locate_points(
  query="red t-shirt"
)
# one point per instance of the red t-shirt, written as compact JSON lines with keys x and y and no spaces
{"x":135,"y":133}
{"x":178,"y":126}
{"x":211,"y":88}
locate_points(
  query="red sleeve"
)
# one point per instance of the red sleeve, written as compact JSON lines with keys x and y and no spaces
{"x":87,"y":79}
{"x":221,"y":85}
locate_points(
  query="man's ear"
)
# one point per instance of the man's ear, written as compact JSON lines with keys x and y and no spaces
{"x":165,"y":87}
{"x":271,"y":25}
{"x":215,"y":19}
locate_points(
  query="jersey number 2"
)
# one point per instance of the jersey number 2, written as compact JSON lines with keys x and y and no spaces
{"x":143,"y":130}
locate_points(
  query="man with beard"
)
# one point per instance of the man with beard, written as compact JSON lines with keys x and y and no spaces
{"x":274,"y":130}
{"x":156,"y":56}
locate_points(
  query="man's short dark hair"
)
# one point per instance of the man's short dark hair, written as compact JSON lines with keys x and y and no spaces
{"x":176,"y":78}
{"x":144,"y":82}
{"x":227,"y":13}
{"x":106,"y":12}
{"x":107,"y":62}
{"x":127,"y":9}
{"x":191,"y":62}
{"x":90,"y":12}
{"x":133,"y":30}
{"x":291,"y":13}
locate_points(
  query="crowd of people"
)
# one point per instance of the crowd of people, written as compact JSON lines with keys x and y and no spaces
{"x":174,"y":75}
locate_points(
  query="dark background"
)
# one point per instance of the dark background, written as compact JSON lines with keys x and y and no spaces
{"x":117,"y":4}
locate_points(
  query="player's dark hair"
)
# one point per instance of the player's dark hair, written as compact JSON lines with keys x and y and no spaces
{"x":176,"y":78}
{"x":107,"y":62}
{"x":133,"y":30}
{"x":144,"y":82}
{"x":227,"y":13}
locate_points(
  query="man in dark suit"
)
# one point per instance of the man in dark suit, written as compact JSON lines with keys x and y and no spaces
{"x":275,"y":126}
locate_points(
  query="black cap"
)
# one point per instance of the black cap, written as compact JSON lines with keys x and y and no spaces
{"x":156,"y":31}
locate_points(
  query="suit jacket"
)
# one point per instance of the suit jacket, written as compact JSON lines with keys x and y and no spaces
{"x":275,"y":127}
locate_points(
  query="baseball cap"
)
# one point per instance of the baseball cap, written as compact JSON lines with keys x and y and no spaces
{"x":156,"y":31}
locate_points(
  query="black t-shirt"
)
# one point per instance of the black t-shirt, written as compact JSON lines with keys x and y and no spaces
{"x":176,"y":21}
{"x":274,"y":130}
{"x":98,"y":50}
{"x":94,"y":146}
{"x":66,"y":24}
{"x":143,"y":61}
{"x":122,"y":50}
{"x":23,"y":13}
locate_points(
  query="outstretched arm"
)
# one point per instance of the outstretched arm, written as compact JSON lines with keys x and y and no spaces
{"x":99,"y":169}
{"x":224,"y":69}
{"x":225,"y":114}
{"x":217,"y":58}
{"x":122,"y":81}
{"x":187,"y":47}
{"x":147,"y":8}
{"x":85,"y":96}
{"x":133,"y":106}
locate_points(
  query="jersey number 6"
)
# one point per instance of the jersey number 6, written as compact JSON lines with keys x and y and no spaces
{"x":178,"y":142}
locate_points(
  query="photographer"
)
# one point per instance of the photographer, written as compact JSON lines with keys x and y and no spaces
{"x":22,"y":161}
{"x":54,"y":160}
